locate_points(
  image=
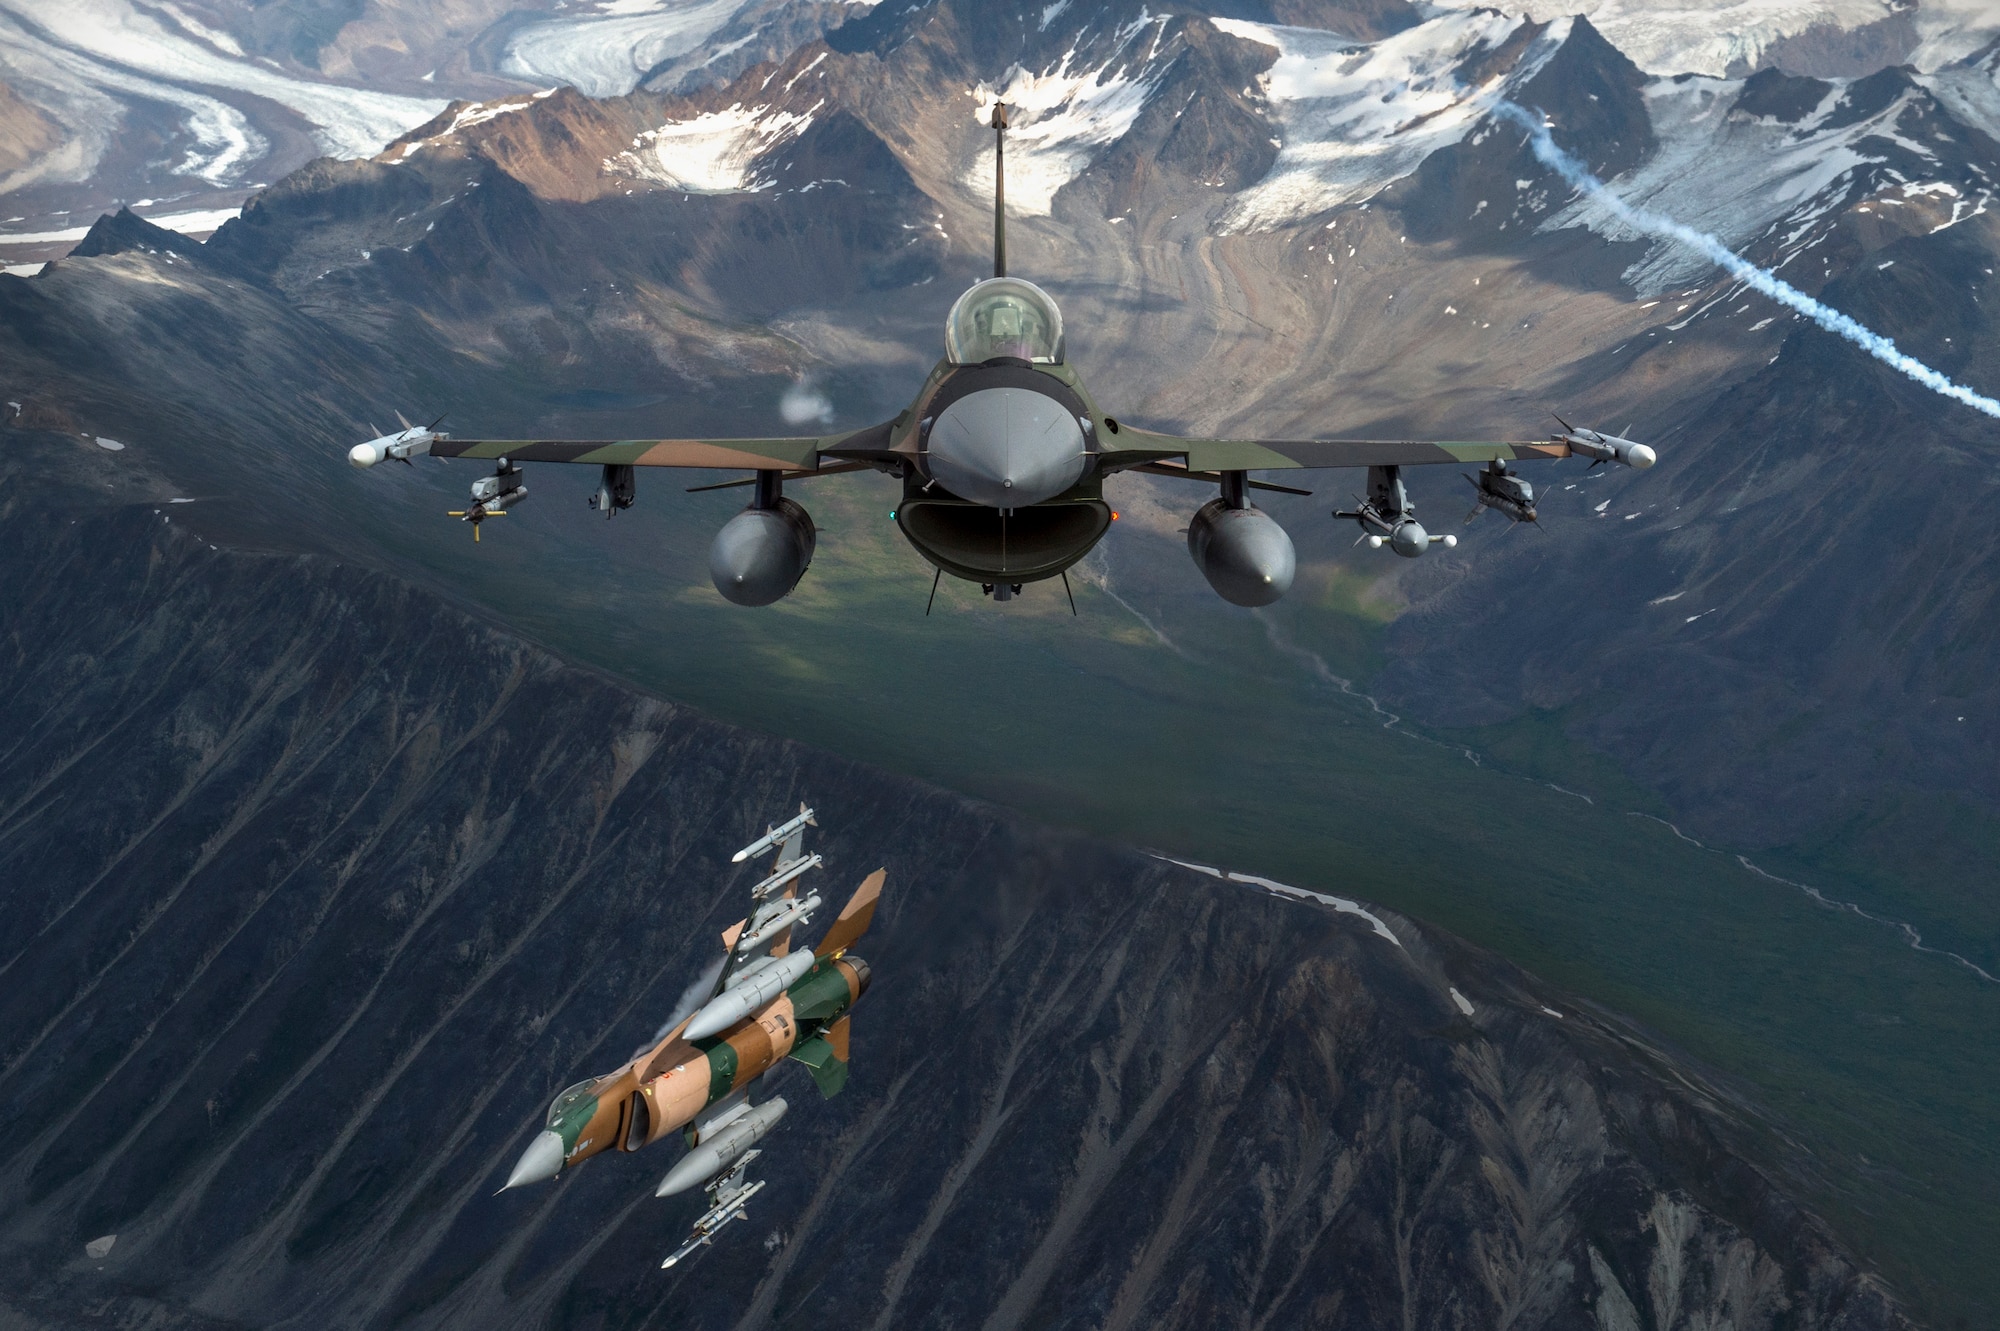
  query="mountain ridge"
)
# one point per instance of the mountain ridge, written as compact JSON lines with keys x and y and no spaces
{"x":313,"y":1039}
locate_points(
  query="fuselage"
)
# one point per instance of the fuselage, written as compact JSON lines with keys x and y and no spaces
{"x":1002,"y":484}
{"x":665,"y":1088}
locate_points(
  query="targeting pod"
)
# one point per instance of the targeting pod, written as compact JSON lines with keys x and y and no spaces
{"x":1502,"y":491}
{"x":502,"y":490}
{"x":617,"y":488}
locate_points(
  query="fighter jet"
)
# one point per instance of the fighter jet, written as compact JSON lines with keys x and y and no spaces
{"x":1002,"y":456}
{"x":766,"y":1003}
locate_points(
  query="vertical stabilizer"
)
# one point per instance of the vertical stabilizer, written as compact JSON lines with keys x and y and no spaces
{"x":854,"y":917}
{"x":1000,"y":189}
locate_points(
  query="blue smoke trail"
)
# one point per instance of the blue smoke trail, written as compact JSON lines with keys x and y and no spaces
{"x":1784,"y":293}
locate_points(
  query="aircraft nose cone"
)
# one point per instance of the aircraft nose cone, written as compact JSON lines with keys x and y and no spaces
{"x":1006,"y":448}
{"x":542,"y":1160}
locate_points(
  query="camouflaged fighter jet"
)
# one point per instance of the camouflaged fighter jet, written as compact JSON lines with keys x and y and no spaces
{"x":766,"y":1003}
{"x":1002,"y":457}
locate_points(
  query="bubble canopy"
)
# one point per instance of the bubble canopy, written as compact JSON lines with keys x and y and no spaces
{"x":1004,"y":316}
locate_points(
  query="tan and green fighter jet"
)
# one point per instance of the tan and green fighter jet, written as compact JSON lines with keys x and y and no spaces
{"x":1002,"y":458}
{"x":764,"y":1003}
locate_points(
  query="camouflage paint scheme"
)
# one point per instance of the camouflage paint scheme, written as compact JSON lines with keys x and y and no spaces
{"x":666,"y":1086}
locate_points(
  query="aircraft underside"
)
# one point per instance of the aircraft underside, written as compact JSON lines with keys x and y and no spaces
{"x":1003,"y":547}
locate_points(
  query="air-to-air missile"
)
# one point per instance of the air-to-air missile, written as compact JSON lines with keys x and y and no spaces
{"x":1602,"y":448}
{"x":768,"y":1003}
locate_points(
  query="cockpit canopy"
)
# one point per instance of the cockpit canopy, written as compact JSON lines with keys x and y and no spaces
{"x":569,"y":1100}
{"x":1004,"y":316}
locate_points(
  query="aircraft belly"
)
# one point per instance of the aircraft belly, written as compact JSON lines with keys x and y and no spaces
{"x":677,"y":1096}
{"x":982,"y":544}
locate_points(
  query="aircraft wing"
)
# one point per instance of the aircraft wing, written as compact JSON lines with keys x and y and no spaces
{"x":803,"y":454}
{"x":1161,"y":452}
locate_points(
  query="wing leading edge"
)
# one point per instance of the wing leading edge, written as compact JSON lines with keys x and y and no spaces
{"x":1143,"y":447}
{"x":795,"y":454}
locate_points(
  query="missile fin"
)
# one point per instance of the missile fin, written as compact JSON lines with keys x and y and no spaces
{"x":855,"y":916}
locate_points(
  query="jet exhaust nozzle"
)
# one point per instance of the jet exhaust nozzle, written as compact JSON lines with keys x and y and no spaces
{"x":722,"y":1147}
{"x":1245,"y":555}
{"x":542,"y":1160}
{"x":751,"y":989}
{"x":761,"y":553}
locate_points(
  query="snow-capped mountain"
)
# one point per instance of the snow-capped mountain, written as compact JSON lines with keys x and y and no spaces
{"x":180,"y":109}
{"x":1320,"y":122}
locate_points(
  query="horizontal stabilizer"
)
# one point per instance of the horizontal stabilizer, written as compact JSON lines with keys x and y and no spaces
{"x":855,"y":917}
{"x":826,"y":1056}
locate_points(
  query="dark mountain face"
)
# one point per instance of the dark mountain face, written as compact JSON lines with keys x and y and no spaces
{"x":321,"y":888}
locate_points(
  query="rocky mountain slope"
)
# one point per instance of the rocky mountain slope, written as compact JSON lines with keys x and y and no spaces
{"x":321,"y":888}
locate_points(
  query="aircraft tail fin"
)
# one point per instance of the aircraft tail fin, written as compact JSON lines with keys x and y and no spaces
{"x":855,"y":916}
{"x":1000,"y":189}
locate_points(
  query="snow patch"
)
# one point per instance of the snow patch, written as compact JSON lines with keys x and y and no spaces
{"x":714,"y":153}
{"x":478,"y":113}
{"x":1357,"y":116}
{"x":1061,"y":117}
{"x":1736,"y":177}
{"x":85,"y":60}
{"x":605,"y":48}
{"x":1340,"y":904}
{"x":1714,"y":37}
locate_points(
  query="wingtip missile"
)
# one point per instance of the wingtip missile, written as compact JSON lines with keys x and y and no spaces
{"x":1600,"y":447}
{"x":775,"y":836}
{"x":400,"y":446}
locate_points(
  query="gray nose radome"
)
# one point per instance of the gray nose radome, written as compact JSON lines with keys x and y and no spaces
{"x":1006,"y":448}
